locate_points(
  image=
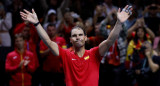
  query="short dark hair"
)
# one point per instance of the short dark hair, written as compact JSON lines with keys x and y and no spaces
{"x":80,"y":27}
{"x":51,"y":25}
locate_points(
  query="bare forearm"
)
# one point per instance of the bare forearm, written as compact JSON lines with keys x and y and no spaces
{"x":130,"y":30}
{"x":105,"y":45}
{"x":45,"y":38}
{"x":150,"y":33}
{"x":154,"y":67}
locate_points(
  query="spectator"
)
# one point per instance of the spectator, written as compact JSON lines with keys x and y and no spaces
{"x":113,"y":61}
{"x":50,"y":18}
{"x":5,"y":45}
{"x":52,"y":65}
{"x":20,"y":63}
{"x":30,"y":36}
{"x":153,"y":63}
{"x":152,"y":11}
{"x":135,"y":54}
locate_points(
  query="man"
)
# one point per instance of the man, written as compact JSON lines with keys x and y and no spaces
{"x":81,"y":67}
{"x":20,"y":63}
{"x":154,"y":64}
{"x":52,"y":65}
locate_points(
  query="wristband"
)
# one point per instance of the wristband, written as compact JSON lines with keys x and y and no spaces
{"x":36,"y":23}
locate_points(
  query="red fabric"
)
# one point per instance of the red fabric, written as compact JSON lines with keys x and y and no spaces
{"x":95,"y":40}
{"x":67,"y":30}
{"x":113,"y":55}
{"x":33,"y":33}
{"x":22,"y":75}
{"x":31,"y":46}
{"x":32,"y":42}
{"x":81,"y":71}
{"x":52,"y":63}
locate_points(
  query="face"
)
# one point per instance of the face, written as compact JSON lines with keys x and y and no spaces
{"x":68,"y":17}
{"x":140,"y":33}
{"x":51,"y":31}
{"x":97,"y":31}
{"x":78,"y":38}
{"x":26,"y":32}
{"x":19,"y":42}
{"x":52,"y":17}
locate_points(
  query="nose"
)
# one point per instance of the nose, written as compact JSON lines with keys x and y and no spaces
{"x":78,"y":38}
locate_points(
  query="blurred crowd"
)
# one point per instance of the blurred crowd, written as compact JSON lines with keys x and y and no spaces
{"x":133,"y":60}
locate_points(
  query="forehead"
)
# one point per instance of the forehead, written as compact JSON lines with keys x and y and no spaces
{"x":18,"y":38}
{"x":77,"y":31}
{"x":140,"y":29}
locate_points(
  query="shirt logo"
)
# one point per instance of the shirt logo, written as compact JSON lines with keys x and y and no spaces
{"x":86,"y":58}
{"x":74,"y":59}
{"x":14,"y":57}
{"x":26,"y":57}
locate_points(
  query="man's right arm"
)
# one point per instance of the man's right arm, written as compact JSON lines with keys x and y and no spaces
{"x":45,"y":38}
{"x":32,"y":18}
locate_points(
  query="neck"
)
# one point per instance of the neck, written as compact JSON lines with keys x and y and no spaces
{"x":21,"y":50}
{"x":80,"y":51}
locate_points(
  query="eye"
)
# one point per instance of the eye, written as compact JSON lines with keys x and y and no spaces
{"x":80,"y":34}
{"x":74,"y":35}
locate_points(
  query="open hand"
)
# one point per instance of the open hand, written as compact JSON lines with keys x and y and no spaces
{"x":124,"y":14}
{"x":29,"y":16}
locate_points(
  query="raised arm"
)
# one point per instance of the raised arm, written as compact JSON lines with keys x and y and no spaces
{"x":122,"y":17}
{"x":32,"y":18}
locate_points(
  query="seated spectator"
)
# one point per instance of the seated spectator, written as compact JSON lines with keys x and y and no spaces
{"x":20,"y":64}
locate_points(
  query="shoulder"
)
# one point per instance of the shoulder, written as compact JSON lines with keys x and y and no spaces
{"x":29,"y":52}
{"x":11,"y":53}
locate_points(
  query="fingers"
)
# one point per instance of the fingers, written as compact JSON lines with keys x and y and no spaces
{"x":33,"y":10}
{"x":23,"y":15}
{"x":128,"y":9}
{"x":26,"y":11}
{"x":119,"y":10}
{"x":125,"y":8}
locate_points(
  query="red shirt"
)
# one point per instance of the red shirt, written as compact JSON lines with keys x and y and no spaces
{"x":20,"y":76}
{"x":52,"y":63}
{"x":81,"y":71}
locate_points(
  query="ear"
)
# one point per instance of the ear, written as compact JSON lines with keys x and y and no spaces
{"x":85,"y":38}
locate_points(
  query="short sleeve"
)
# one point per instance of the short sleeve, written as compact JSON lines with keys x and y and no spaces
{"x":96,"y":53}
{"x":62,"y":52}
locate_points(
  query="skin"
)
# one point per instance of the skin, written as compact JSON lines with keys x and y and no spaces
{"x":79,"y":38}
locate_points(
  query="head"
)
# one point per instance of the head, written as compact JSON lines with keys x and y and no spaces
{"x":26,"y":32}
{"x":68,"y":17}
{"x":51,"y":15}
{"x":51,"y":30}
{"x":78,"y":37}
{"x":153,"y":9}
{"x":140,"y":34}
{"x":19,"y":41}
{"x":97,"y":31}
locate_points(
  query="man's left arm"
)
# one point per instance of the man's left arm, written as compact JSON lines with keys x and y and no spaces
{"x":122,"y":17}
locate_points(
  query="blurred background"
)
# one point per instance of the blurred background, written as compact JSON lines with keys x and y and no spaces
{"x":125,"y":63}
